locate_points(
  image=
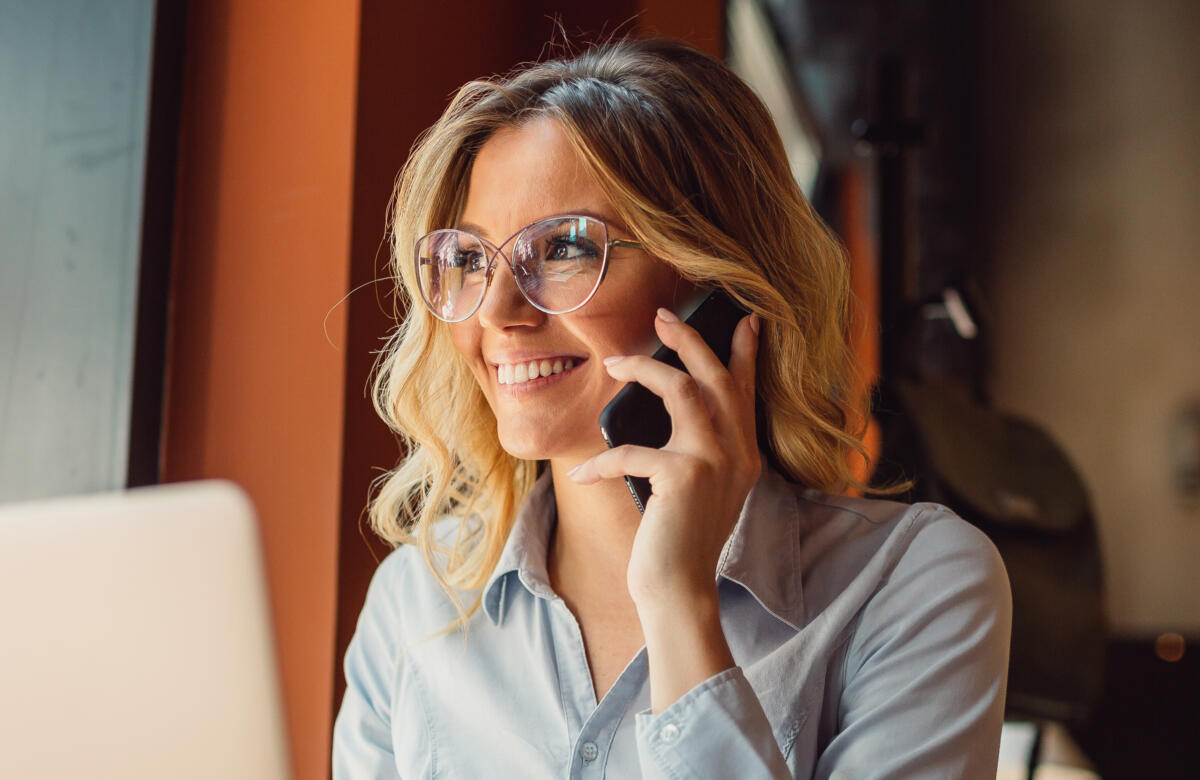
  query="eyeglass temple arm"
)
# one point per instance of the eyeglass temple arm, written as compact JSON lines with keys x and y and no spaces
{"x":619,"y":242}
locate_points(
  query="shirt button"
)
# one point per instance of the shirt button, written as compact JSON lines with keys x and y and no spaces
{"x":589,"y":751}
{"x":669,"y":733}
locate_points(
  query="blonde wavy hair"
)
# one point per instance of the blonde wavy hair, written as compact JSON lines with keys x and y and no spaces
{"x":692,"y":163}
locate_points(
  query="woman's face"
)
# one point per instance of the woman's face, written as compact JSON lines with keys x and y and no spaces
{"x":522,"y":175}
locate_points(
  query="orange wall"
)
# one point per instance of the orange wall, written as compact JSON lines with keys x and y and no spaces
{"x":255,"y":393}
{"x":854,"y":226}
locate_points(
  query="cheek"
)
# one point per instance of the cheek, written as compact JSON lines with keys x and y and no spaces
{"x":466,"y":340}
{"x":623,"y":322}
{"x":624,"y":328}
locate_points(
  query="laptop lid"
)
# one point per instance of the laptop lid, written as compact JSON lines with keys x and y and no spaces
{"x":135,"y":638}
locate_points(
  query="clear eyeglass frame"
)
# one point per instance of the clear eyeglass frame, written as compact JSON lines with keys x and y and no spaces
{"x":493,"y":250}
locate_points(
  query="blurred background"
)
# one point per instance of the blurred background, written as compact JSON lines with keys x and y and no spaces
{"x":188,"y":190}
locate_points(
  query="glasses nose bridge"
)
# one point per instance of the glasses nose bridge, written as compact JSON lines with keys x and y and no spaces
{"x":501,"y":251}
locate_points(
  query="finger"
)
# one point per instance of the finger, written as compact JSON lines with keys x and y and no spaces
{"x":698,"y":358}
{"x":729,"y":392}
{"x":743,"y":360}
{"x":691,"y":419}
{"x":626,"y":460}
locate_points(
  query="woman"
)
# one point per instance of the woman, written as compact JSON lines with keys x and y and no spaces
{"x":752,"y":623}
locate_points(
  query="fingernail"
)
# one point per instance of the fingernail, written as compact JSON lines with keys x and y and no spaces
{"x":666,"y":315}
{"x":571,"y":472}
{"x":754,"y":323}
{"x":613,"y":359}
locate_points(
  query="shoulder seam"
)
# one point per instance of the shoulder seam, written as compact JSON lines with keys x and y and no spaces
{"x":847,"y":510}
{"x":908,"y":527}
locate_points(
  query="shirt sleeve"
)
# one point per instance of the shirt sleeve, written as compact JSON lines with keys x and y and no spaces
{"x":362,"y":739}
{"x":926,"y":669}
{"x":922,"y":692}
{"x":717,"y":729}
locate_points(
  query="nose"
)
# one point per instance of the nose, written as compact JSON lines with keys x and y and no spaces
{"x":504,"y":305}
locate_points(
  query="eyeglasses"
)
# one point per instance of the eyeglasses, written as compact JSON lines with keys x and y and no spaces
{"x":557,"y":262}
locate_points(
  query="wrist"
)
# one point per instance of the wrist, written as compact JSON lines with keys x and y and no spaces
{"x":683,"y":616}
{"x":685,"y":644}
{"x":664,"y":601}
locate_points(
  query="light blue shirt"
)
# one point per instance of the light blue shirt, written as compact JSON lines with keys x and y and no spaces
{"x":870,"y":637}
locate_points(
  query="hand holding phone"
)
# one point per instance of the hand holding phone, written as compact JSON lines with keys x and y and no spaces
{"x":638,"y":416}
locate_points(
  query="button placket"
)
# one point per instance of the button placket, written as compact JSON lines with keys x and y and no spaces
{"x":599,"y":728}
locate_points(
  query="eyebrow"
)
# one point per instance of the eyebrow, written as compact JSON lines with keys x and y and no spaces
{"x":479,"y":230}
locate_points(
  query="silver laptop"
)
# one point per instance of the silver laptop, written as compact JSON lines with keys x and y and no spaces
{"x":135,"y":638}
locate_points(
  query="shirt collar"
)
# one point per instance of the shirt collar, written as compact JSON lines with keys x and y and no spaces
{"x":525,"y":550}
{"x":761,"y":554}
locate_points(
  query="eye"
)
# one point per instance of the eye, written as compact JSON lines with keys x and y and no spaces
{"x":470,"y":260}
{"x":570,"y":248}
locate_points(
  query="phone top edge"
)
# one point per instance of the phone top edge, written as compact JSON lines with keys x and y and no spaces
{"x":691,"y":304}
{"x":684,"y":313}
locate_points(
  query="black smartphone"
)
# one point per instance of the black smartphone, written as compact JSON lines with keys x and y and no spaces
{"x":638,"y":416}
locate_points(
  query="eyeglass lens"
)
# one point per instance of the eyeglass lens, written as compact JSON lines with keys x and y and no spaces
{"x":557,"y":263}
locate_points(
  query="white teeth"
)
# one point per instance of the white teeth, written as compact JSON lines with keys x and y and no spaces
{"x":514,"y":373}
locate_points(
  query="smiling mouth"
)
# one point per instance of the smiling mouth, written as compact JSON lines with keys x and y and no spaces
{"x":524,"y":373}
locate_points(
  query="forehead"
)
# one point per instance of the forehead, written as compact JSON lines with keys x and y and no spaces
{"x":524,"y":173}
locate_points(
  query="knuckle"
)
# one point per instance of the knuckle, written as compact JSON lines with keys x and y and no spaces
{"x":693,"y":469}
{"x":684,"y":386}
{"x":725,"y":383}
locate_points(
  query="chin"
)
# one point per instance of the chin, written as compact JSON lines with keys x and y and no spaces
{"x":522,"y":449}
{"x":526,"y":447}
{"x":542,"y":443}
